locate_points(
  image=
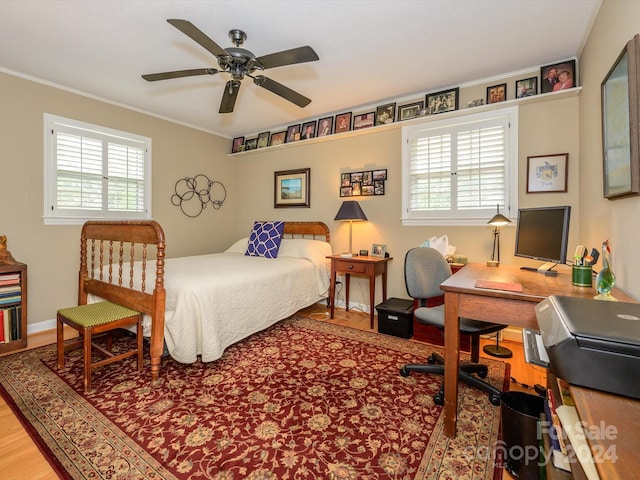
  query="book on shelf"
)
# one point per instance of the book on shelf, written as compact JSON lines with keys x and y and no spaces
{"x":10,"y":324}
{"x":6,"y":322}
{"x":552,"y":403}
{"x":557,"y":448}
{"x":10,"y":288}
{"x":10,"y":299}
{"x":9,"y":276}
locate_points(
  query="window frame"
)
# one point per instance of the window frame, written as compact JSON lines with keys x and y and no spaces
{"x":54,"y":216}
{"x":453,"y":121}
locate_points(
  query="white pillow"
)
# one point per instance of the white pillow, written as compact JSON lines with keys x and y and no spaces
{"x":240,"y":246}
{"x":314,"y":250}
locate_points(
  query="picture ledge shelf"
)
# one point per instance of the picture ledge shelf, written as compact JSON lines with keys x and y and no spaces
{"x":544,"y":97}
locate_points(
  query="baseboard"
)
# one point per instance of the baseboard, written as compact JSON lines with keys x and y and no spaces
{"x":41,"y":326}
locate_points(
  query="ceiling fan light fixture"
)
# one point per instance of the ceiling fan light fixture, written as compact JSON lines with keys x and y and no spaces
{"x":239,"y":62}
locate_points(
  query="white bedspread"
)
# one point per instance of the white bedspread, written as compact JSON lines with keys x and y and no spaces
{"x":216,"y":300}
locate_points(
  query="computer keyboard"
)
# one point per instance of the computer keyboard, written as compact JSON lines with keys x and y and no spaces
{"x":534,"y":351}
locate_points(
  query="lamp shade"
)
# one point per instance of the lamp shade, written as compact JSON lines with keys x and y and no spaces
{"x":350,"y":210}
{"x":499,"y":220}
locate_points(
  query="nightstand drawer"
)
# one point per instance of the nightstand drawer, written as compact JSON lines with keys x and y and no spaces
{"x":351,"y":267}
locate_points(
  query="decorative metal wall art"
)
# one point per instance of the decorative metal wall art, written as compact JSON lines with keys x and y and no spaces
{"x":194,"y":193}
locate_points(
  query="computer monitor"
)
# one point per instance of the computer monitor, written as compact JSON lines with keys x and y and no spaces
{"x":542,"y":234}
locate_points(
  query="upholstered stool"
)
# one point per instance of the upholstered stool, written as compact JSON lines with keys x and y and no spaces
{"x":95,"y":318}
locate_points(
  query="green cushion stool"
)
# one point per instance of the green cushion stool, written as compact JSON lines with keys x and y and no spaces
{"x":96,"y":318}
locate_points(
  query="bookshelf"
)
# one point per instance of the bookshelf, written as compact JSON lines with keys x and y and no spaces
{"x":13,"y":307}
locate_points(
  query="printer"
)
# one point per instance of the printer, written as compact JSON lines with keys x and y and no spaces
{"x":592,"y":343}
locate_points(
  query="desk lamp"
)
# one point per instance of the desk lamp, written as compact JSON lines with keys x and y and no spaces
{"x":497,"y":221}
{"x":350,"y":210}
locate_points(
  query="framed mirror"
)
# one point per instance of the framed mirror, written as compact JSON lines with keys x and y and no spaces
{"x":621,"y":123}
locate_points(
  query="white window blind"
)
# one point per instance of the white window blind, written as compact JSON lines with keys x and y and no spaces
{"x":456,"y":171}
{"x":94,"y":172}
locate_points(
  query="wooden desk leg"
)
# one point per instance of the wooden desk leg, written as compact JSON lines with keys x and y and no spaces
{"x":451,"y":361}
{"x":332,"y":293}
{"x":372,"y":297}
{"x":347,"y":280}
{"x":384,"y":284}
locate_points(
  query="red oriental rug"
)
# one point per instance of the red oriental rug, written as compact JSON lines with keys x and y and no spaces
{"x":301,"y":400}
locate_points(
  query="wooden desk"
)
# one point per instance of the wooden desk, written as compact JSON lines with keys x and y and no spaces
{"x":617,"y":435}
{"x":362,"y":265}
{"x":463,"y":299}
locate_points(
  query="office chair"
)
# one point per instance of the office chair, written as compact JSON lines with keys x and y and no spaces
{"x":424,"y":270}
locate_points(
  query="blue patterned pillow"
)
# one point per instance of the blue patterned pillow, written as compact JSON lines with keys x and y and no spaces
{"x":264,"y":240}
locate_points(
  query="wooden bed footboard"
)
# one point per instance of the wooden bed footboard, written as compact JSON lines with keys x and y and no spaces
{"x":117,"y":261}
{"x":116,"y":264}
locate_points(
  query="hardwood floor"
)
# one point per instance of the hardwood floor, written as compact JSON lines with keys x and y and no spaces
{"x":20,"y":458}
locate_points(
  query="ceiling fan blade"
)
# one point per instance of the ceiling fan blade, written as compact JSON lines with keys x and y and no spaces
{"x":231,"y":90}
{"x":154,"y":77}
{"x":191,"y":31}
{"x":279,"y":89}
{"x":288,"y":57}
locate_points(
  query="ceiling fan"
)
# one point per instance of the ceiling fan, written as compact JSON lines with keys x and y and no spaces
{"x":239,"y":63}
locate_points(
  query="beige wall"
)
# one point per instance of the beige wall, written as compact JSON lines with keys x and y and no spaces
{"x":52,"y":252}
{"x":601,"y":219}
{"x":377,"y":149}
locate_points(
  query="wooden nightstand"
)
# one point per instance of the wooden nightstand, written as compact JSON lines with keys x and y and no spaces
{"x":361,"y":266}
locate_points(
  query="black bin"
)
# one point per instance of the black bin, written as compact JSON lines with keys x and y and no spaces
{"x":520,"y":413}
{"x":395,"y":317}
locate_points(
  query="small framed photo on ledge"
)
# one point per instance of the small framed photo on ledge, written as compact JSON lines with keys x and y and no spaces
{"x":378,"y":250}
{"x":497,"y":93}
{"x":343,"y":122}
{"x":527,"y":87}
{"x":441,"y":102}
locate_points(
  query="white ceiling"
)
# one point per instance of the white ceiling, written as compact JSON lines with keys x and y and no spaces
{"x":370,"y":51}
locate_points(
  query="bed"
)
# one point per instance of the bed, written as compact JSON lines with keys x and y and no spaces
{"x":198,"y":306}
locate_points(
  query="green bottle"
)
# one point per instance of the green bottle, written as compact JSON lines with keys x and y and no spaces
{"x":605,"y":280}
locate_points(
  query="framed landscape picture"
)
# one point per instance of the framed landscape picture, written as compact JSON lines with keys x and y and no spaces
{"x":291,"y":188}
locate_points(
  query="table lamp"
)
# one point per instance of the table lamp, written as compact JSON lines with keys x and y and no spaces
{"x":497,"y":221}
{"x":350,"y":210}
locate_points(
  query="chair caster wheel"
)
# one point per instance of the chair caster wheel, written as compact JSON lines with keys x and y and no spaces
{"x":494,"y":399}
{"x":431,"y":360}
{"x":438,"y":399}
{"x":482,"y":374}
{"x":404,"y":372}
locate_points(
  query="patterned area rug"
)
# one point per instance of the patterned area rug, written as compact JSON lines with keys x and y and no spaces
{"x":301,"y":400}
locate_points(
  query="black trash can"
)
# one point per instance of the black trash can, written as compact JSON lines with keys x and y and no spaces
{"x":520,"y":413}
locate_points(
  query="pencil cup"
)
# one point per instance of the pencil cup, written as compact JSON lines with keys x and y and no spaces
{"x":582,"y":276}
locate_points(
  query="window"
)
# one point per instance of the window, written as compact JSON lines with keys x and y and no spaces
{"x":92,"y":172}
{"x":455,"y":171}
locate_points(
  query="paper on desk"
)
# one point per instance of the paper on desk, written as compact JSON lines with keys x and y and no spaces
{"x":571,"y":425}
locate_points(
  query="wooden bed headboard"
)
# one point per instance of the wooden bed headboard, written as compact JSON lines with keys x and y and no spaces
{"x":307,"y":230}
{"x":108,"y":252}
